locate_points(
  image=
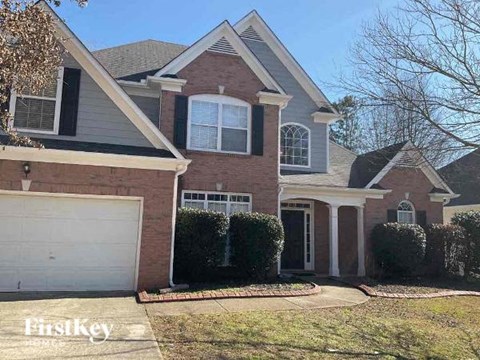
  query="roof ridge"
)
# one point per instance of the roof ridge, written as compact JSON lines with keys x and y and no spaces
{"x":138,"y":42}
{"x":400,"y":144}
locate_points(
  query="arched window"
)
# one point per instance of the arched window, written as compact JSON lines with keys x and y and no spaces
{"x":295,"y":145}
{"x":406,"y":212}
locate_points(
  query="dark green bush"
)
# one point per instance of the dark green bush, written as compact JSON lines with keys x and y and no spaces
{"x":200,"y":240}
{"x":470,"y":221}
{"x":446,"y":249}
{"x":256,"y":243}
{"x":399,"y":249}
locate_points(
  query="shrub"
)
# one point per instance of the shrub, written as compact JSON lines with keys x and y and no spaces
{"x":256,"y":243}
{"x":399,"y":249}
{"x":445,"y":251}
{"x":470,"y":221}
{"x":200,"y":240}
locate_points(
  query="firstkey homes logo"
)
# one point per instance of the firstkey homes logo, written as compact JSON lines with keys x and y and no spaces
{"x":97,"y":333}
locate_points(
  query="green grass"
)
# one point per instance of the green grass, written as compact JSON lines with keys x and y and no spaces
{"x":447,"y":328}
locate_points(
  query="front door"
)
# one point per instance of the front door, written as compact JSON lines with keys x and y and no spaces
{"x":294,"y":248}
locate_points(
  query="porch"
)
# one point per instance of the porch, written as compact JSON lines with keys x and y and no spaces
{"x":324,"y":230}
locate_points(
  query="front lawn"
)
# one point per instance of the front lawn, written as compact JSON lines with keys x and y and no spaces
{"x":447,"y":328}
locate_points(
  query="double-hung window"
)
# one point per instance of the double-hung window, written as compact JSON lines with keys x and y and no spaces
{"x":219,"y":123}
{"x":38,"y":112}
{"x":295,"y":145}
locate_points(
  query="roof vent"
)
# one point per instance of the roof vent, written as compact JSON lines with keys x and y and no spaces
{"x":223,"y":46}
{"x":251,"y":34}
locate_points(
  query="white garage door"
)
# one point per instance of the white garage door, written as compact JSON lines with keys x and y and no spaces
{"x":67,"y":244}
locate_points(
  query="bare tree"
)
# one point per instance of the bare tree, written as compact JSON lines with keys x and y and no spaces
{"x":423,"y":59}
{"x":30,"y":53}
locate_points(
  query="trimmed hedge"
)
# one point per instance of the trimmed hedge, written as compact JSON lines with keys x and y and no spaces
{"x":200,"y":241}
{"x":256,"y":242}
{"x":399,"y":249}
{"x":470,"y":221}
{"x":446,"y":249}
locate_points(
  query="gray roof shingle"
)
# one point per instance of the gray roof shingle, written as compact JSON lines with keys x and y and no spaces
{"x":347,"y":170}
{"x":135,"y":61}
{"x":463,"y":177}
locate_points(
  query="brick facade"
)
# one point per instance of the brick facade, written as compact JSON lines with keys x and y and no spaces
{"x":401,"y":181}
{"x":257,"y":175}
{"x":156,"y":187}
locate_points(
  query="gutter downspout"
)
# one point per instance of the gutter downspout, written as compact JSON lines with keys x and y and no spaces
{"x":180,"y":171}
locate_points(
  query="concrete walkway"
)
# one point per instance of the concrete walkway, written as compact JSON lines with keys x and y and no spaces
{"x":131,"y":335}
{"x":333,"y":294}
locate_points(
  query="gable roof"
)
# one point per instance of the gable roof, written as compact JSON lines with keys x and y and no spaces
{"x":348,"y":170}
{"x":255,"y":26}
{"x":98,"y":73}
{"x":463,"y":176}
{"x":223,"y":32}
{"x":367,"y":166}
{"x":134,"y":61}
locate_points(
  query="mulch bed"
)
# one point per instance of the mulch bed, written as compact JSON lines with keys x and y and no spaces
{"x":417,"y":288}
{"x":280,"y":288}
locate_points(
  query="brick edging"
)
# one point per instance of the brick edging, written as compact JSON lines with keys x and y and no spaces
{"x":144,"y":297}
{"x":374,"y":293}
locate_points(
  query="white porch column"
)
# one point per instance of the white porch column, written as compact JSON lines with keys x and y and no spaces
{"x":360,"y":241}
{"x":334,"y":269}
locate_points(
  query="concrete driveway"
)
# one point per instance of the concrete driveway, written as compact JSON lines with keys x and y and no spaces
{"x":86,"y":318}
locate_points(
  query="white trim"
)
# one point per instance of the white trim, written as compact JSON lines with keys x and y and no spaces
{"x":138,"y":89}
{"x":206,"y":201}
{"x":263,"y":30}
{"x":325,"y":118}
{"x":58,"y":106}
{"x":168,"y":84}
{"x":423,"y":164}
{"x":307,"y":265}
{"x":361,"y":241}
{"x":19,"y":153}
{"x":103,"y":79}
{"x":412,"y":212}
{"x":202,"y":45}
{"x":334,"y":269}
{"x":269,"y":98}
{"x":309,"y":147}
{"x":174,"y":221}
{"x":96,"y":197}
{"x":442,"y":198}
{"x":220,"y":100}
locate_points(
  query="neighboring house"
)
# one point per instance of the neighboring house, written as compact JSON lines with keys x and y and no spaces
{"x":231,"y":123}
{"x":463,"y":176}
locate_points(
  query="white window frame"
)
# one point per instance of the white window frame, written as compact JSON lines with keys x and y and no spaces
{"x":309,"y":145}
{"x":220,"y":100}
{"x":206,"y":201}
{"x":405,"y":211}
{"x":58,"y":105}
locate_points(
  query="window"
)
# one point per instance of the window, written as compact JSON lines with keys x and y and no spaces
{"x":219,"y":123}
{"x":406,"y":213}
{"x":295,"y":143}
{"x":38,"y":112}
{"x":227,"y":203}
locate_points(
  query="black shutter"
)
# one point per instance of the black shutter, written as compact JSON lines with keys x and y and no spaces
{"x":392,"y":215}
{"x":421,"y":217}
{"x":180,"y":127}
{"x":257,"y":129}
{"x":69,"y":109}
{"x":5,"y":106}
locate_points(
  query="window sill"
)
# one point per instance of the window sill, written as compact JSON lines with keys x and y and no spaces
{"x":217,"y":153}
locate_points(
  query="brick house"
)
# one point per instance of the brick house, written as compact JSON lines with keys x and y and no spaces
{"x":231,"y":123}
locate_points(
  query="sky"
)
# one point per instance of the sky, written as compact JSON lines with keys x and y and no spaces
{"x":318,"y":33}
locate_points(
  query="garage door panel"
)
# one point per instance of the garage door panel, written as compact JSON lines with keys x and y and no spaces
{"x":66,"y":244}
{"x":11,"y":230}
{"x":8,"y":279}
{"x":9,"y":254}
